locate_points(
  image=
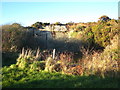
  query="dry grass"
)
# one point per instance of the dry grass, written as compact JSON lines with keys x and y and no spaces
{"x":105,"y":63}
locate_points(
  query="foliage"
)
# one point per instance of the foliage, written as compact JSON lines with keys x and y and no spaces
{"x":49,"y":65}
{"x":98,"y":34}
{"x":104,"y":18}
{"x":37,"y":25}
{"x":66,"y":59}
{"x":58,"y":23}
{"x":12,"y":36}
{"x":15,"y":37}
{"x":103,"y":33}
{"x":28,"y":59}
{"x":70,"y":23}
{"x":80,"y":28}
{"x":31,"y":59}
{"x":45,"y":24}
{"x":75,"y":70}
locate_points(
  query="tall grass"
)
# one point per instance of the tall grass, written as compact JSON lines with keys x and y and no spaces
{"x":104,"y":63}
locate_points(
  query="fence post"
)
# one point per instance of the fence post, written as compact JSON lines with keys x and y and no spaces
{"x":53,"y":53}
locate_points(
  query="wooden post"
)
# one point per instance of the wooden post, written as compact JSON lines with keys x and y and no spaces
{"x":53,"y":53}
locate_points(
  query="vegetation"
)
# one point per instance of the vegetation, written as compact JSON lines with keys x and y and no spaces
{"x":104,"y":18}
{"x":86,"y":56}
{"x":101,"y":33}
{"x":57,"y":23}
{"x":39,"y":25}
{"x":12,"y":37}
{"x":14,"y":77}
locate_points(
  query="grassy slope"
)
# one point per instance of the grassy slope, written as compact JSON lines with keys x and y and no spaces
{"x":16,"y":78}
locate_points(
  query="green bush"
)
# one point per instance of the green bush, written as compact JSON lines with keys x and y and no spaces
{"x":104,"y":32}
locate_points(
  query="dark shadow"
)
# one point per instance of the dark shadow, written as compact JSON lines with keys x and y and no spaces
{"x":9,"y":58}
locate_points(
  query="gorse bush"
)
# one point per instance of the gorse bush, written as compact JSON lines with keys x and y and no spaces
{"x":104,"y":32}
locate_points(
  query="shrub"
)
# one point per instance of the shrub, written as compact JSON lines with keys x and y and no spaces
{"x":66,"y":61}
{"x":49,"y":64}
{"x":105,"y":63}
{"x":103,"y":33}
{"x":15,"y":37}
{"x":75,"y":70}
{"x":79,"y":28}
{"x":28,"y":59}
{"x":104,"y":18}
{"x":96,"y":34}
{"x":37,"y":25}
{"x":11,"y":37}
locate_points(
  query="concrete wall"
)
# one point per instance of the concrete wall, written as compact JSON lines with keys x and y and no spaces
{"x":56,"y":28}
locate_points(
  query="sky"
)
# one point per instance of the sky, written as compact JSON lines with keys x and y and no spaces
{"x":27,"y":13}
